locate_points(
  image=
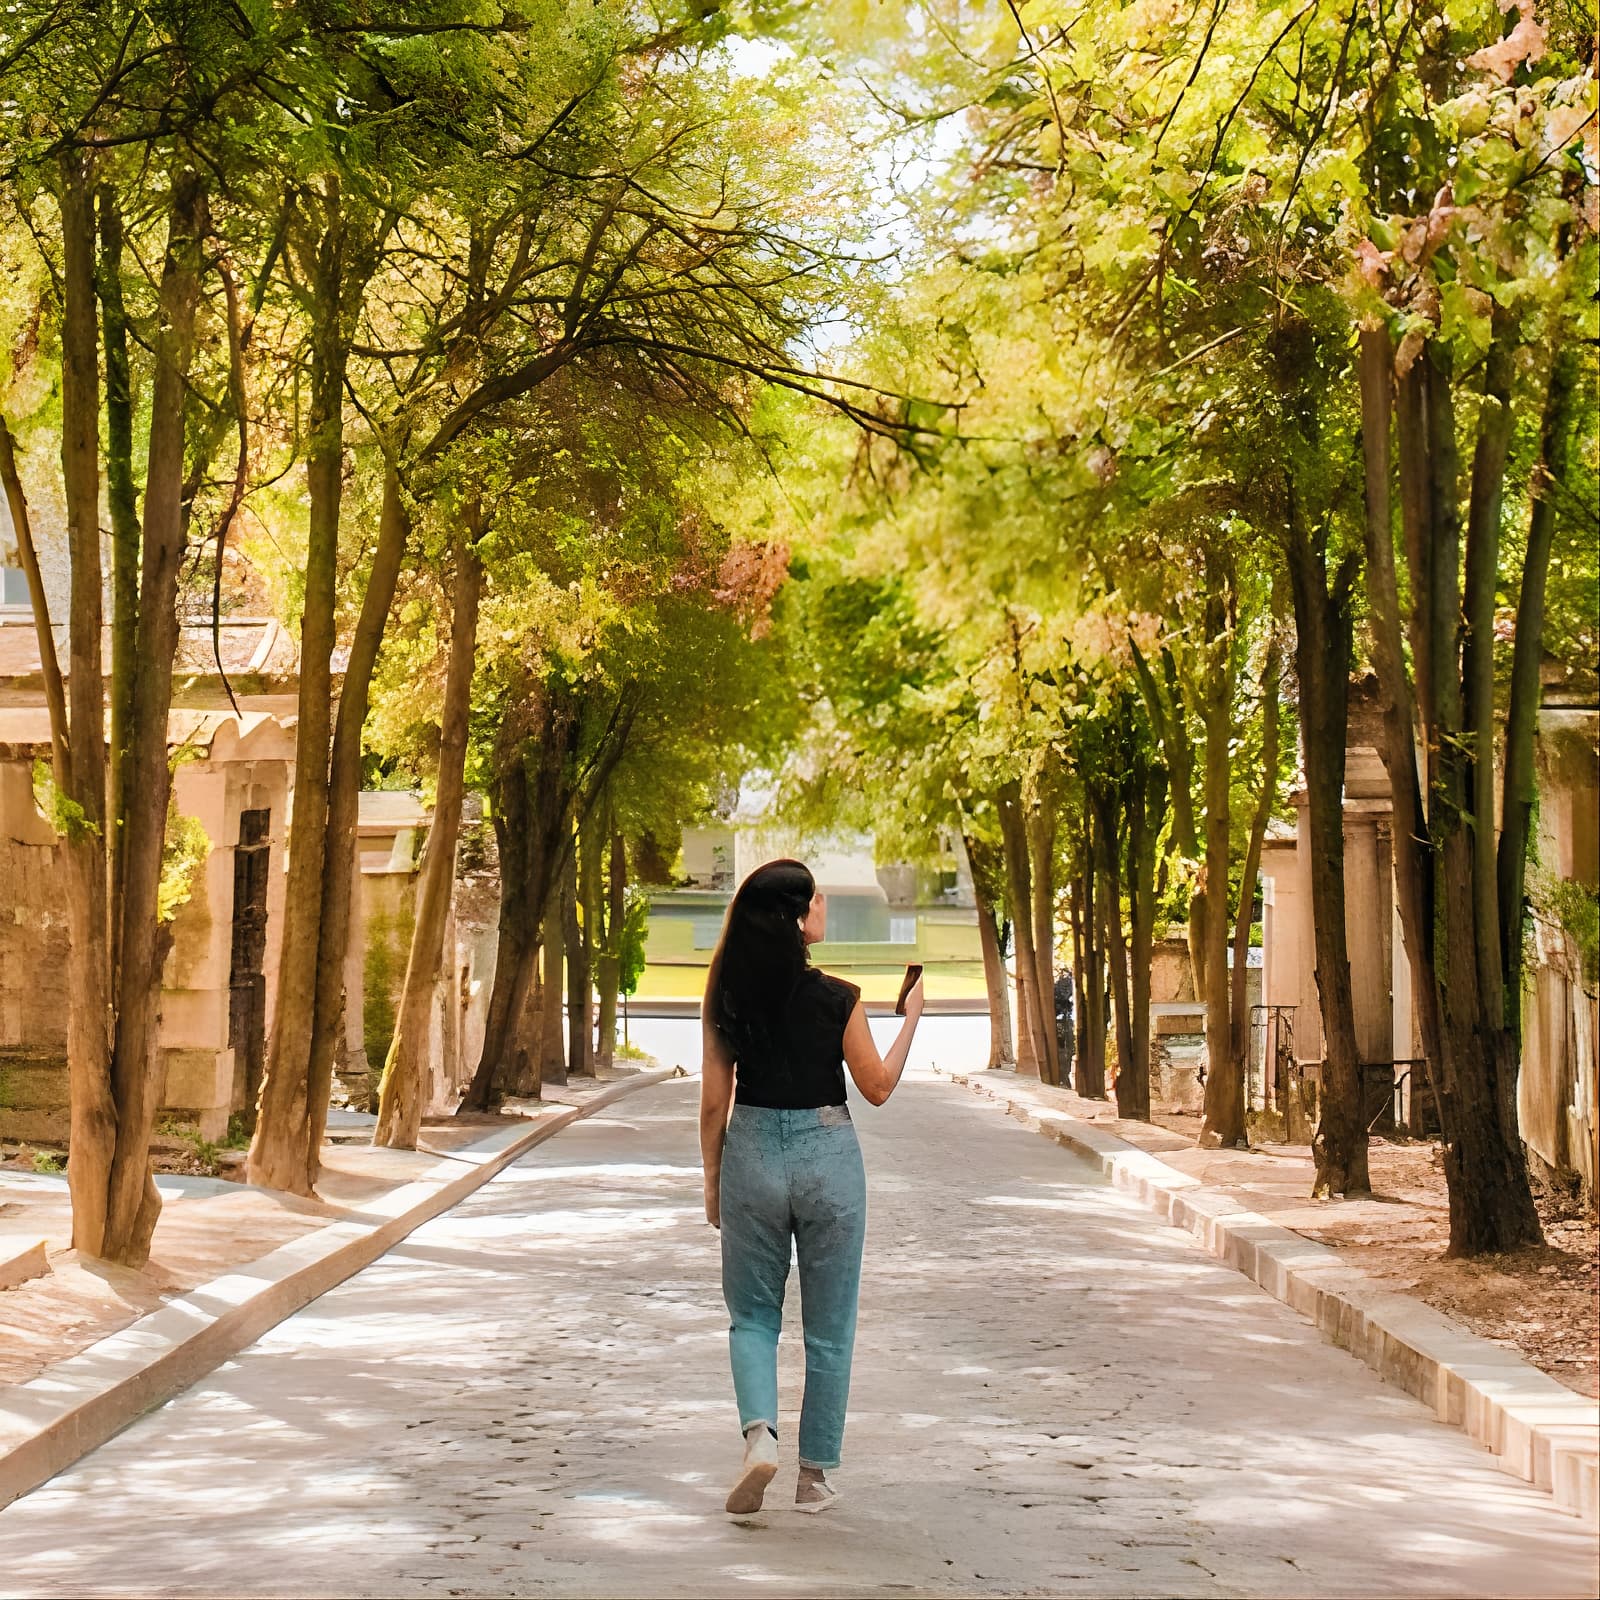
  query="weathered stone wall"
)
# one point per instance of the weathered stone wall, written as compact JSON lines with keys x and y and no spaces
{"x":202,"y":1086}
{"x":35,"y":999}
{"x":1171,"y":970}
{"x":382,"y":914}
{"x":1558,"y":1100}
{"x":388,"y":919}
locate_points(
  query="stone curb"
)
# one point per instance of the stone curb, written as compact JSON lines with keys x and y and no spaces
{"x":75,"y":1405}
{"x":19,"y":1262}
{"x":1537,"y":1428}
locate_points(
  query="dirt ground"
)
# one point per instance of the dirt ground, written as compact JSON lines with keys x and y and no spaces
{"x":1543,"y":1302}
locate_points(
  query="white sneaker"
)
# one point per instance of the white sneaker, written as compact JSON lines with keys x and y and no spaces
{"x":814,"y":1494}
{"x":760,"y":1468}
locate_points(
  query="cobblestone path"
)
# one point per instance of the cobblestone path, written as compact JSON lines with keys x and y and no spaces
{"x":1054,"y":1394}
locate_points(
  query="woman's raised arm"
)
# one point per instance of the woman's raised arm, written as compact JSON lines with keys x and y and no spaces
{"x":876,"y":1076}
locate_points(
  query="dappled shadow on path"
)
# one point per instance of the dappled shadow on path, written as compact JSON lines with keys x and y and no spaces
{"x":1054,"y":1394}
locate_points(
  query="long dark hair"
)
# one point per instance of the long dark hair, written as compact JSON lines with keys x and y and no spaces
{"x":761,"y":958}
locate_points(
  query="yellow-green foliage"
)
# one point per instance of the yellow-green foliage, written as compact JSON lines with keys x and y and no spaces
{"x":1575,"y":908}
{"x":187,"y":844}
{"x":65,"y":815}
{"x":187,"y":847}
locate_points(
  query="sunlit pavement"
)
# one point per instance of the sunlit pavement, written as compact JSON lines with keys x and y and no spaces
{"x":1054,"y":1394}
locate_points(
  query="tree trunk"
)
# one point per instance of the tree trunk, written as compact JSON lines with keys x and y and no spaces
{"x":550,"y":1050}
{"x":344,"y":804}
{"x":1146,"y":802}
{"x":1092,"y":1000}
{"x":1522,"y":715}
{"x":1239,"y":970}
{"x":1491,"y":1203}
{"x":1094,"y":1083}
{"x":1116,"y":945}
{"x":79,"y":746}
{"x":1002,"y":1056}
{"x":1411,"y":437}
{"x":1223,"y":1122}
{"x":403,"y":1091}
{"x":122,"y":501}
{"x":277,"y":1157}
{"x":988,"y":884}
{"x":1165,"y":707}
{"x":592,"y":903}
{"x":1323,"y":637}
{"x":1441,"y":466}
{"x":55,"y":694}
{"x":519,"y":1071}
{"x":1031,"y":1056}
{"x":531,"y":811}
{"x":1266,"y":801}
{"x":515,"y":975}
{"x":539,"y":800}
{"x":137,"y":1069}
{"x":518,"y":931}
{"x":1041,"y":835}
{"x":1485,"y":505}
{"x":1080,"y":1019}
{"x":92,"y":1112}
{"x":289,"y":1142}
{"x":580,"y":987}
{"x":609,"y":964}
{"x":1413,"y":894}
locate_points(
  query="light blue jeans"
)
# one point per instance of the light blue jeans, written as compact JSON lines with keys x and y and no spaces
{"x":793,"y":1175}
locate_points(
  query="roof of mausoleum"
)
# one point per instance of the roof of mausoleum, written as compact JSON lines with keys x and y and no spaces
{"x":248,"y":647}
{"x":219,"y":735}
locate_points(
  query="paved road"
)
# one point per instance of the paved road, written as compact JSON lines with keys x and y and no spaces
{"x":1055,"y":1394}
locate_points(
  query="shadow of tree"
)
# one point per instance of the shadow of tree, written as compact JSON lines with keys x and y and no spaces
{"x":1054,"y":1394}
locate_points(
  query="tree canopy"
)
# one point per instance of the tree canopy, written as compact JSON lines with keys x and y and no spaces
{"x":1011,"y":426}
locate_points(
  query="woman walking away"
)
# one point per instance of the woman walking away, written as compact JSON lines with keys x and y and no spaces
{"x":782,"y":1163}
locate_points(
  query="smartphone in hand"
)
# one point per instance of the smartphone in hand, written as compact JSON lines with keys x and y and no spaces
{"x":913,"y":972}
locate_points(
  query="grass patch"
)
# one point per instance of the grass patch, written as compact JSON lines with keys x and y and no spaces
{"x":205,"y":1150}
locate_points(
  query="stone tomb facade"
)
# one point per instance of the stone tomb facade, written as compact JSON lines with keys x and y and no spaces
{"x":392,"y":828}
{"x":1378,"y":973}
{"x":1558,"y":1098}
{"x":220,"y":976}
{"x":234,"y":777}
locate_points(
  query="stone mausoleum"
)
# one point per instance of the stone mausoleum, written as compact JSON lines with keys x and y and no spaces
{"x":1558,"y":1105}
{"x":234,"y":779}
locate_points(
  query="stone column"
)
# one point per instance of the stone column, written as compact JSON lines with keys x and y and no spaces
{"x":194,"y":1000}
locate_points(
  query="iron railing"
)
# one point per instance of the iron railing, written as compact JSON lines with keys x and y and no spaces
{"x":1396,"y":1096}
{"x":1416,"y":1107}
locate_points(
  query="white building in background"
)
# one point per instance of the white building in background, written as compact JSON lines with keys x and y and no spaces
{"x":880,"y":916}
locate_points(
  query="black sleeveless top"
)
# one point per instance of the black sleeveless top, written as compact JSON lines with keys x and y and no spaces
{"x":811,"y":1070}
